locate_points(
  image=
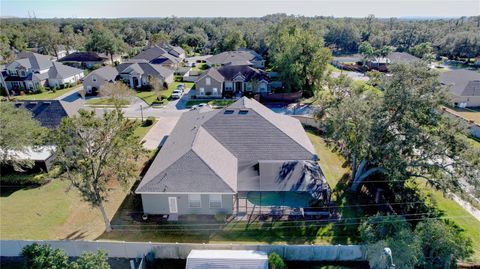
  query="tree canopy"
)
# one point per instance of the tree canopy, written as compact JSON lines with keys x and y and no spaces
{"x":297,"y":52}
{"x":19,"y":134}
{"x":400,"y":133}
{"x":93,"y":151}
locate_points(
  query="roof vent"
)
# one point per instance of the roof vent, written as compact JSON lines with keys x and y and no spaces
{"x":243,"y":112}
{"x":228,"y":111}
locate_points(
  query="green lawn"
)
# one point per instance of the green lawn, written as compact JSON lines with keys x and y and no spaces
{"x":106,"y":102}
{"x":200,"y":67}
{"x":141,"y":130}
{"x":52,"y":212}
{"x":150,"y":97}
{"x":47,"y":95}
{"x":33,"y":213}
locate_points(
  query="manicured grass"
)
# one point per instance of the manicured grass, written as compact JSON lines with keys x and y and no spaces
{"x":150,"y":97}
{"x":52,"y":212}
{"x":47,"y":95}
{"x":32,"y":213}
{"x":200,"y":67}
{"x":106,"y":102}
{"x":469,"y":114}
{"x":453,"y":211}
{"x":332,"y":163}
{"x":141,"y":130}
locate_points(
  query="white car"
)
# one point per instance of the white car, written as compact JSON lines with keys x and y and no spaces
{"x":177,"y":94}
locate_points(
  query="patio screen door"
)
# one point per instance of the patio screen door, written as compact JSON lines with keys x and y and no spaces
{"x":172,"y":204}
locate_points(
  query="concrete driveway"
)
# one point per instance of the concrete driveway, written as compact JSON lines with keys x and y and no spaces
{"x":157,"y":135}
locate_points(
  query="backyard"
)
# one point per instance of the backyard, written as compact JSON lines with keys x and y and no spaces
{"x":472,"y":114}
{"x":51,"y":212}
{"x":46,"y":95}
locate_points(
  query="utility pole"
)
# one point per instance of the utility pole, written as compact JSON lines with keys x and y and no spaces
{"x":141,"y":111}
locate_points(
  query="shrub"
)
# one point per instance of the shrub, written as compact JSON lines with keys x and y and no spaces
{"x":44,"y":256}
{"x":25,"y":178}
{"x":275,"y":261}
{"x":149,"y":121}
{"x":163,"y":97}
{"x":220,"y":217}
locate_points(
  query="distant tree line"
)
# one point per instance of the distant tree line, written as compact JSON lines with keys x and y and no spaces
{"x":453,"y":38}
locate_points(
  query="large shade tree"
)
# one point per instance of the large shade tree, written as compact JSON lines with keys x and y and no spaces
{"x":299,"y":55}
{"x":402,"y":133}
{"x":103,"y":40}
{"x":93,"y":151}
{"x":19,"y":135}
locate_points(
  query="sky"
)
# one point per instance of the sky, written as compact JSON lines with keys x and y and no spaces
{"x":237,"y":8}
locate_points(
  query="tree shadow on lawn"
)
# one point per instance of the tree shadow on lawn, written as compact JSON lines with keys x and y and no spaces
{"x":77,"y":235}
{"x":345,"y":231}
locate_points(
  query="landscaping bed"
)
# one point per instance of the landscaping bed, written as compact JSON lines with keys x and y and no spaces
{"x":46,"y":95}
{"x":211,"y":102}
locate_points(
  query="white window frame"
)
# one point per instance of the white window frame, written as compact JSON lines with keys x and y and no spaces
{"x":202,"y":91}
{"x":217,"y":200}
{"x":215,"y":91}
{"x":195,"y":200}
{"x":208,"y":81}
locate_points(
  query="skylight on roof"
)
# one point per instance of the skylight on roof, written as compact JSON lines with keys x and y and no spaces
{"x":228,"y":111}
{"x":243,"y":112}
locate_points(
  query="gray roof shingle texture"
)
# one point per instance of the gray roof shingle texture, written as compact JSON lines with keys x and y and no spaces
{"x":219,"y":151}
{"x":228,"y":57}
{"x":462,"y":82}
{"x":49,"y":112}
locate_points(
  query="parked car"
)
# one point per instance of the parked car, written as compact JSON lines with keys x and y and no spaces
{"x":199,"y":106}
{"x":177,"y":94}
{"x":181,"y":87}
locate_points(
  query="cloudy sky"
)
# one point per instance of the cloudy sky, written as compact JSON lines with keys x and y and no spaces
{"x":236,"y":8}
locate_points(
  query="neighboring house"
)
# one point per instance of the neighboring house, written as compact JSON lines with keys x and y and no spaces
{"x":230,"y":80}
{"x":477,"y":61}
{"x":166,"y":55}
{"x":228,"y":259}
{"x":237,"y":57}
{"x":381,"y":63}
{"x":62,"y":51}
{"x":49,"y":113}
{"x":463,"y":86}
{"x":137,"y":73}
{"x":214,"y":157}
{"x":31,"y":71}
{"x":85,"y":59}
{"x":94,"y":81}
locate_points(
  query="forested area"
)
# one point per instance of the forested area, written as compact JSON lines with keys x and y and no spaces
{"x":453,"y":38}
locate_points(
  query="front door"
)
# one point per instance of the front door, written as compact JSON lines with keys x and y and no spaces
{"x":172,"y":205}
{"x":238,"y":86}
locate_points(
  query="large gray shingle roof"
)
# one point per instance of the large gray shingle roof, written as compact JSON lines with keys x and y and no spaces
{"x":462,"y":82}
{"x":34,"y":60}
{"x":156,"y":53}
{"x":144,"y":68}
{"x":61,"y":71}
{"x":48,"y":112}
{"x":227,"y":57}
{"x":212,"y":150}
